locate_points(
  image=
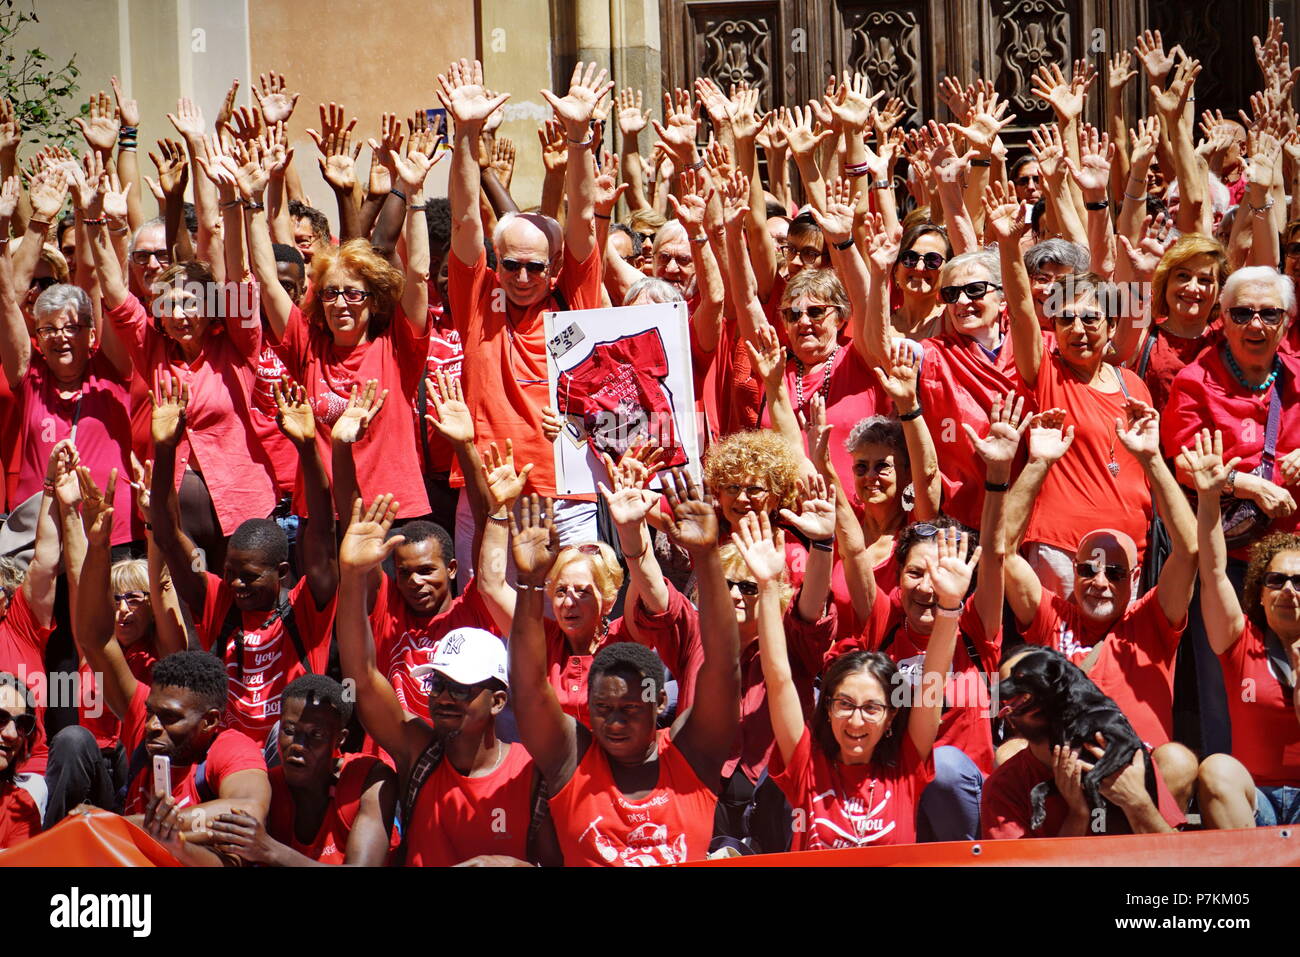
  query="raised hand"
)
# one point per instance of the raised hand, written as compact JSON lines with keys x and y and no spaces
{"x":631,"y":119}
{"x":534,"y":539}
{"x":503,"y":160}
{"x":817,"y":435}
{"x":585,"y":91}
{"x":141,"y":482}
{"x":899,"y":378}
{"x":504,"y":483}
{"x":798,"y":130}
{"x":274,"y":101}
{"x":955,"y":96}
{"x":47,"y":192}
{"x":629,"y":501}
{"x":101,"y":123}
{"x":1151,"y":51}
{"x":746,"y":121}
{"x":169,"y":397}
{"x":363,"y":405}
{"x":413,"y":168}
{"x":1007,"y":423}
{"x":1156,"y":236}
{"x":173,"y":170}
{"x":986,"y":119}
{"x":96,"y":506}
{"x":293,"y":412}
{"x":694,"y":522}
{"x":1145,"y":138}
{"x":188,"y":119}
{"x":365,"y":544}
{"x":762,"y":549}
{"x":1172,"y":101}
{"x":1264,"y":167}
{"x":767,"y":355}
{"x":816,"y":518}
{"x":112,"y":197}
{"x":555,"y":153}
{"x":852,"y":104}
{"x":1048,"y":439}
{"x":9,"y":194}
{"x":882,"y":246}
{"x":1050,"y":84}
{"x":463,"y":94}
{"x":735,"y":200}
{"x":678,"y":130}
{"x":841,"y":203}
{"x":713,"y":100}
{"x":244,"y":124}
{"x":1049,"y":151}
{"x":338,"y":156}
{"x":608,"y":189}
{"x":11,"y":132}
{"x":1002,"y":213}
{"x":1096,"y":153}
{"x":61,"y":472}
{"x":448,"y":412}
{"x":1119,"y":72}
{"x":1204,"y":462}
{"x":1140,"y":434}
{"x":951,"y":571}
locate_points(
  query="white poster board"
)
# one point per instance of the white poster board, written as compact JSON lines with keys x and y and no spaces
{"x":619,"y":378}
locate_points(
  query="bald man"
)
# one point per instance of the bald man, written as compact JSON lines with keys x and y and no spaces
{"x":1126,"y":642}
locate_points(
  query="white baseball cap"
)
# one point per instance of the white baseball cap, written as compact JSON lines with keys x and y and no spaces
{"x":467,"y":656}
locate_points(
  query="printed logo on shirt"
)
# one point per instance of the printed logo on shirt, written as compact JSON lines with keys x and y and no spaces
{"x":848,"y":822}
{"x":648,"y":845}
{"x":1066,"y":644}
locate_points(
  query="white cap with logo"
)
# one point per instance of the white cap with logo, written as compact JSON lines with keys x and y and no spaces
{"x":467,"y":656}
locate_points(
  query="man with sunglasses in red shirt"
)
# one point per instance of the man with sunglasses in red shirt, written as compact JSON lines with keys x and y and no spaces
{"x":1126,"y":645}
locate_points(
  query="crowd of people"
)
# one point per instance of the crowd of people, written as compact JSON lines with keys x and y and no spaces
{"x":288,"y":577}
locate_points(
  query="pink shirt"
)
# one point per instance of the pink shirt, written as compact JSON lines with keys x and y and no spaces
{"x":219,"y":440}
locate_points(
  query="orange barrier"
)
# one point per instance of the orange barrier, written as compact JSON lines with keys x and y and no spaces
{"x":1262,"y":847}
{"x":90,"y":839}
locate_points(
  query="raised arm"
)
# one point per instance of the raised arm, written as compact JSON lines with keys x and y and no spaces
{"x":468,"y":105}
{"x":1007,"y":423}
{"x":501,"y":487}
{"x":1047,"y":443}
{"x":816,"y":522}
{"x":1220,"y":606}
{"x":42,"y":573}
{"x":363,"y":405}
{"x":1002,"y":213}
{"x":15,"y":340}
{"x":413,"y":171}
{"x":900,"y":380}
{"x":873,"y":332}
{"x":836,"y":223}
{"x":185,"y":562}
{"x":188,"y":120}
{"x":1092,"y":176}
{"x":1193,"y":192}
{"x":574,"y":111}
{"x":297,"y":422}
{"x":1118,"y":76}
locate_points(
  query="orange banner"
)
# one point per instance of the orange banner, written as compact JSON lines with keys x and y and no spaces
{"x":90,"y":839}
{"x":1262,"y":847}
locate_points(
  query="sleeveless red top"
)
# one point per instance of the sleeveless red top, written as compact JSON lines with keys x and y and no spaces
{"x":596,"y":825}
{"x":330,"y":845}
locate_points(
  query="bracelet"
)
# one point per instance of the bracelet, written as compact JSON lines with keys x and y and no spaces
{"x":230,"y":204}
{"x":148,"y":527}
{"x":881,"y":184}
{"x":844,"y":245}
{"x":822,"y":544}
{"x":38,"y":222}
{"x":1230,"y":483}
{"x":503,"y":517}
{"x":591,"y":135}
{"x":1136,"y":199}
{"x":645,"y":548}
{"x":48,"y":486}
{"x":127,"y":148}
{"x":854,"y":173}
{"x":1097,"y":206}
{"x":600,"y":215}
{"x":128,"y":130}
{"x":253,"y":204}
{"x":398,"y":193}
{"x":996,"y":486}
{"x":94,"y":222}
{"x":697,"y":165}
{"x":699,"y":239}
{"x":417,"y":207}
{"x":914,"y":414}
{"x":942,"y":612}
{"x":521,"y":588}
{"x":1260,"y":209}
{"x":981,"y":162}
{"x":118,"y":229}
{"x":857,"y":169}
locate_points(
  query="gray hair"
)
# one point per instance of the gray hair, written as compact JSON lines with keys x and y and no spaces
{"x":1258,"y":275}
{"x":988,"y":258}
{"x":157,"y":221}
{"x":673,"y":229}
{"x":552,"y":230}
{"x":59,"y":298}
{"x":1057,"y":252}
{"x":11,"y":573}
{"x":656,"y":290}
{"x":880,"y":430}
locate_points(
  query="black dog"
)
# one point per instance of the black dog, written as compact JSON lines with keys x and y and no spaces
{"x":1046,"y":686}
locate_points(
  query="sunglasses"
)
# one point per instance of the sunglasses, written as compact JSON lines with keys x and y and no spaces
{"x":437,"y":685}
{"x":1278,"y":580}
{"x":353,"y":297}
{"x":25,"y":722}
{"x":809,"y":255}
{"x":975,"y":291}
{"x":1027,"y":179}
{"x":534,"y":267}
{"x":1089,"y":320}
{"x":1293,"y":249}
{"x":748,"y":589}
{"x":812,"y":312}
{"x":141,"y":257}
{"x":42,"y":282}
{"x":912,"y":258}
{"x":1114,"y":573}
{"x":1241,"y":315}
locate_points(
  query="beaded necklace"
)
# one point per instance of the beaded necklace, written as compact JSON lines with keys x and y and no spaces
{"x":1240,"y":376}
{"x":824,"y":388}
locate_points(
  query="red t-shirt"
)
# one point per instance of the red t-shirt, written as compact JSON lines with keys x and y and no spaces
{"x":20,"y":818}
{"x":967,"y":708}
{"x":1205,"y":393}
{"x":330,"y":845}
{"x":229,"y":753}
{"x":387,"y":459}
{"x":618,"y":393}
{"x":1005,"y":809}
{"x":103,"y":434}
{"x":506,"y":384}
{"x":851,"y":805}
{"x":404,"y":640}
{"x":958,"y":383}
{"x":105,"y":726}
{"x":1170,"y":355}
{"x":22,"y":654}
{"x":1082,"y":492}
{"x":219,"y":440}
{"x":445,"y":354}
{"x":1265,"y":731}
{"x":596,"y":825}
{"x":848,"y":624}
{"x":458,"y":817}
{"x":270,"y":660}
{"x":732,"y":393}
{"x":279,"y":450}
{"x":1135,"y":667}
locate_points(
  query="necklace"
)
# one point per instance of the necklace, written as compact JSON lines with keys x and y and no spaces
{"x":862,"y":820}
{"x":824,"y":388}
{"x":1240,"y":376}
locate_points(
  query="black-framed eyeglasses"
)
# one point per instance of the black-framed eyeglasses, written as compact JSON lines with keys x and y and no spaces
{"x":440,"y":684}
{"x":843,"y":708}
{"x":1090,"y":320}
{"x":141,"y":257}
{"x":808,"y":255}
{"x":534,"y":267}
{"x":812,"y":312}
{"x":25,"y":723}
{"x":1275,"y":581}
{"x":911,"y":259}
{"x":353,"y":297}
{"x":133,"y":599}
{"x":975,"y":291}
{"x":71,"y":331}
{"x":42,"y":282}
{"x":1114,"y":573}
{"x":751,"y":491}
{"x":1271,"y":316}
{"x":747,"y":588}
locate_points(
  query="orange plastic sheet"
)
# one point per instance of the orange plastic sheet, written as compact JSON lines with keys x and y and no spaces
{"x":1262,"y":847}
{"x":90,"y":839}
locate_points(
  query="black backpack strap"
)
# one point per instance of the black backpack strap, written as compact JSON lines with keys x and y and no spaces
{"x":889,"y":638}
{"x":560,"y":300}
{"x":285,"y":611}
{"x":1145,"y":360}
{"x":1277,"y":657}
{"x":233,"y":624}
{"x":139,"y":758}
{"x":974,"y":655}
{"x":423,"y":768}
{"x":201,"y":783}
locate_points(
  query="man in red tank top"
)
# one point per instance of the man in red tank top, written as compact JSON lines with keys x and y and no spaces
{"x":624,"y":793}
{"x":326,"y":809}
